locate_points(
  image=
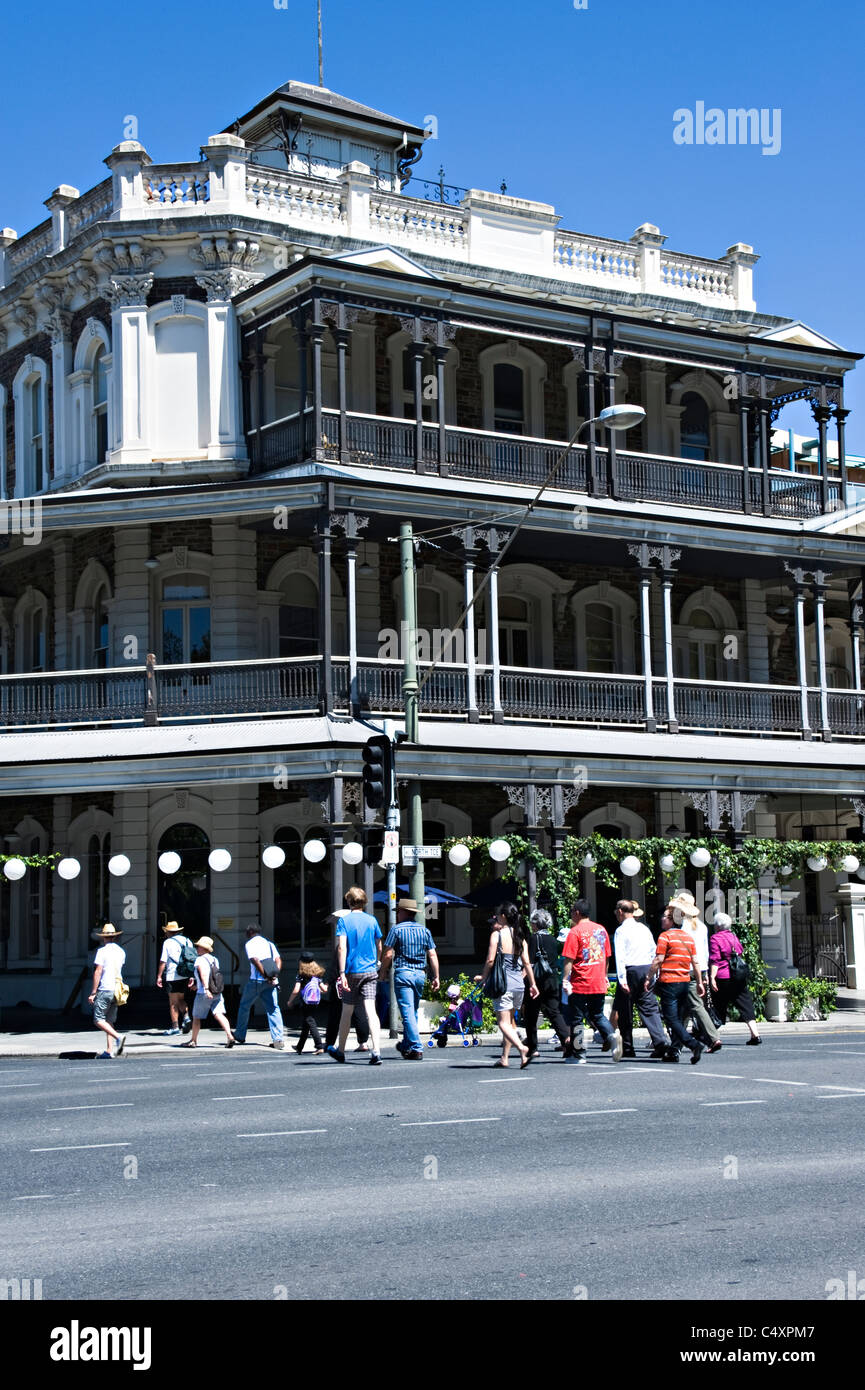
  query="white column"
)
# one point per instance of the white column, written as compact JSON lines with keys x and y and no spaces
{"x":498,"y":714}
{"x":61,"y":365}
{"x":802,"y":657}
{"x":129,"y":384}
{"x":357,"y":181}
{"x":741,"y":258}
{"x":850,"y":898}
{"x":471,"y":667}
{"x":351,"y":603}
{"x":667,"y":587}
{"x":820,"y":627}
{"x":649,"y":240}
{"x":226,"y":410}
{"x":646,"y":626}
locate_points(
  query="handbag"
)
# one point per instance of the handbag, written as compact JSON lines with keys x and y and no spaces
{"x":121,"y":991}
{"x":543,"y":971}
{"x":496,"y":983}
{"x":738,"y":968}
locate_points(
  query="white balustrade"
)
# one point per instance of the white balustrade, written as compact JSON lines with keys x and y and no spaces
{"x":691,"y":276}
{"x":595,"y":257}
{"x":175,"y":185}
{"x":414,"y":220}
{"x":274,"y":191}
{"x":92,"y":207}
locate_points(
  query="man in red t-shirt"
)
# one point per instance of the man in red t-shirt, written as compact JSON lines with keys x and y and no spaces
{"x":676,"y":965}
{"x":585,"y":954}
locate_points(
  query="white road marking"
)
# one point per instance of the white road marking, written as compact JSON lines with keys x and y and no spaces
{"x":856,"y":1090}
{"x":268,"y":1095}
{"x":774,"y":1081}
{"x":19,"y":1085}
{"x":375,"y":1088}
{"x":279,"y":1133}
{"x":420,"y":1124}
{"x":66,"y":1148}
{"x":722,"y":1075}
{"x":505,"y":1080}
{"x":628,"y":1110}
{"x":715,"y":1103}
{"x":110,"y":1105}
{"x":851,"y":1095}
{"x":37,"y":1197}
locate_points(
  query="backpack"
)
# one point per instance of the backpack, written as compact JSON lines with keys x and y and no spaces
{"x":311,"y":992}
{"x":544,"y":973}
{"x":738,"y":968}
{"x":186,"y":960}
{"x":216,"y":983}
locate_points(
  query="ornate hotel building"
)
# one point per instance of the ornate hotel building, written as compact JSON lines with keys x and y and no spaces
{"x":226,"y":382}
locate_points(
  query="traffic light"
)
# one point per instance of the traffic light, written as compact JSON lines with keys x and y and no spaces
{"x":377,"y":771}
{"x":372,"y":839}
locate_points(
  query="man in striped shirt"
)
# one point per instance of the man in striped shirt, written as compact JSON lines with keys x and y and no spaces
{"x":409,"y":945}
{"x":676,"y":965}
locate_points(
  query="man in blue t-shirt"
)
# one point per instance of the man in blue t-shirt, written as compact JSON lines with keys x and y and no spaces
{"x":358,"y":948}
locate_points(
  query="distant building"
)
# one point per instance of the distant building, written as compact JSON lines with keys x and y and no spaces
{"x":223,"y":384}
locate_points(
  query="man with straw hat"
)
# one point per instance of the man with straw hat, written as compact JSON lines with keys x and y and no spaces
{"x":410,"y":946}
{"x":634,"y":951}
{"x":107,"y":970}
{"x":176,"y":966}
{"x":686,"y":914}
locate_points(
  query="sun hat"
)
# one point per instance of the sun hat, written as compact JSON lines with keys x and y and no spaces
{"x":108,"y":932}
{"x":206,"y":942}
{"x":684,"y":903}
{"x":408,"y":904}
{"x":171,"y":926}
{"x":453,"y":991}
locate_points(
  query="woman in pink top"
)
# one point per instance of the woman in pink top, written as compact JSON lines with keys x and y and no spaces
{"x":723,"y":944}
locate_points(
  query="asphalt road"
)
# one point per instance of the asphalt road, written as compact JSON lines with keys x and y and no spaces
{"x":254,"y":1175}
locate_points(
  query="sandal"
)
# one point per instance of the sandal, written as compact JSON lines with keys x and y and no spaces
{"x":530,"y":1056}
{"x":500,"y":1063}
{"x":188,"y":1044}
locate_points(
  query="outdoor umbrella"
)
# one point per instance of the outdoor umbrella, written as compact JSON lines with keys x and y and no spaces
{"x":432,"y":895}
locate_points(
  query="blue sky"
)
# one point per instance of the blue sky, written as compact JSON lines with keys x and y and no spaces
{"x":572,"y":107}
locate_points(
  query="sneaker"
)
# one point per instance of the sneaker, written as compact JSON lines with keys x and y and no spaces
{"x":753,"y":1042}
{"x":616,"y":1042}
{"x":629,"y":1054}
{"x":335,"y":1053}
{"x":670,"y":1056}
{"x":577,"y":1058}
{"x":697,"y":1054}
{"x":409,"y":1057}
{"x":170,"y":1032}
{"x":280,"y":1046}
{"x":374,"y":1059}
{"x":186,"y":1024}
{"x":659,"y":1052}
{"x":121,"y":1043}
{"x":100,"y":1055}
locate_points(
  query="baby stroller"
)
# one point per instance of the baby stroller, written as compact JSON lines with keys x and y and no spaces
{"x":464,"y":1018}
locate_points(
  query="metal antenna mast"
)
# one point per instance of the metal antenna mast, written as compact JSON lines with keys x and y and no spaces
{"x":320,"y":50}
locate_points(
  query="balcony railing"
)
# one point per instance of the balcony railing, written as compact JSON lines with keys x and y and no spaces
{"x":277,"y":688}
{"x":382,"y":441}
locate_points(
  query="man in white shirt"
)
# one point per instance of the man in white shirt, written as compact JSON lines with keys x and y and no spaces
{"x":634,"y":951}
{"x":261,"y":985}
{"x":686,"y":914}
{"x":168,"y":977}
{"x":107,"y":970}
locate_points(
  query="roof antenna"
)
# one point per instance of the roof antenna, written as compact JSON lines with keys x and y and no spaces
{"x":320,"y":50}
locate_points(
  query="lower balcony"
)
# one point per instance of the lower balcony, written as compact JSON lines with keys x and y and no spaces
{"x":377,"y":441}
{"x":278,"y":688}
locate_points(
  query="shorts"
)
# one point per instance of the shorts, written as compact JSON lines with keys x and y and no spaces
{"x":105,"y":1007}
{"x":511,"y":1000}
{"x":202,"y":1005}
{"x":362,"y":986}
{"x":179,"y":986}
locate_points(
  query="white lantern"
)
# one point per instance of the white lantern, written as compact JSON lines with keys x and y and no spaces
{"x":314,"y":851}
{"x":668,"y":863}
{"x":589,"y":861}
{"x":169,"y":862}
{"x":273,"y":857}
{"x":786,"y":870}
{"x":118,"y":865}
{"x":700,"y":857}
{"x":630,"y":865}
{"x":352,"y":853}
{"x":70,"y":868}
{"x":817,"y":863}
{"x":500,"y":850}
{"x":219,"y":860}
{"x":14,"y":869}
{"x":849,"y":863}
{"x":459,"y":855}
{"x":860,"y":873}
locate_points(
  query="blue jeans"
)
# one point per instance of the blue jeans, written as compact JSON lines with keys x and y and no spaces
{"x":408,"y":987}
{"x":254,"y":990}
{"x":674,"y":1007}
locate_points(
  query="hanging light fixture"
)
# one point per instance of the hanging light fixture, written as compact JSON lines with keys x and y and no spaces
{"x":459,"y":855}
{"x":69,"y":868}
{"x":352,"y":853}
{"x":314,"y":851}
{"x":118,"y":865}
{"x":630,"y":866}
{"x":169,"y":862}
{"x":14,"y":869}
{"x":273,"y":857}
{"x":589,"y":861}
{"x":667,"y":863}
{"x":500,"y":850}
{"x":699,"y":857}
{"x":219,"y":860}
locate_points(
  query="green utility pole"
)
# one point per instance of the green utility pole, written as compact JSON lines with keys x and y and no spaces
{"x":410,"y":704}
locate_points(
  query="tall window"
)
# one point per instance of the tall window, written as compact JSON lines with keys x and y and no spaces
{"x":695,"y":426}
{"x":600,"y":637}
{"x":184,"y":897}
{"x":427,"y":371}
{"x":508,"y":399}
{"x":37,"y":640}
{"x":35,"y":442}
{"x":100,"y":629}
{"x":513,"y":631}
{"x":185,"y":619}
{"x":298,"y":618}
{"x":98,"y":879}
{"x":100,"y":404}
{"x":699,"y":655}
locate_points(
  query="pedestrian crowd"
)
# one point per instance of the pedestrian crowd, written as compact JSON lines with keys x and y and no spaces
{"x":686,"y":976}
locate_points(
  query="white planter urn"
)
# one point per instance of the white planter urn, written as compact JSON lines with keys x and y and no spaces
{"x":778,"y":1006}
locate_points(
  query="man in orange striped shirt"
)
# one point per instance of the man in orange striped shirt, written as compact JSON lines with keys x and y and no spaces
{"x":676,"y":965}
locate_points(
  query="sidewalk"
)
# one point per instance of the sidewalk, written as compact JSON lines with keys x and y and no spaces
{"x":82,"y":1043}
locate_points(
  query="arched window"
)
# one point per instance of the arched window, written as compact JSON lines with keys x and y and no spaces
{"x":699,"y":654}
{"x":514,"y":631}
{"x":98,"y":879}
{"x":509,"y":413}
{"x":99,"y":412}
{"x":600,"y":637}
{"x":31,"y":632}
{"x":184,"y":897}
{"x":298,"y":617}
{"x":695,"y":426}
{"x":100,"y":629}
{"x":428,"y":405}
{"x":606,"y":620}
{"x":185,"y":619}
